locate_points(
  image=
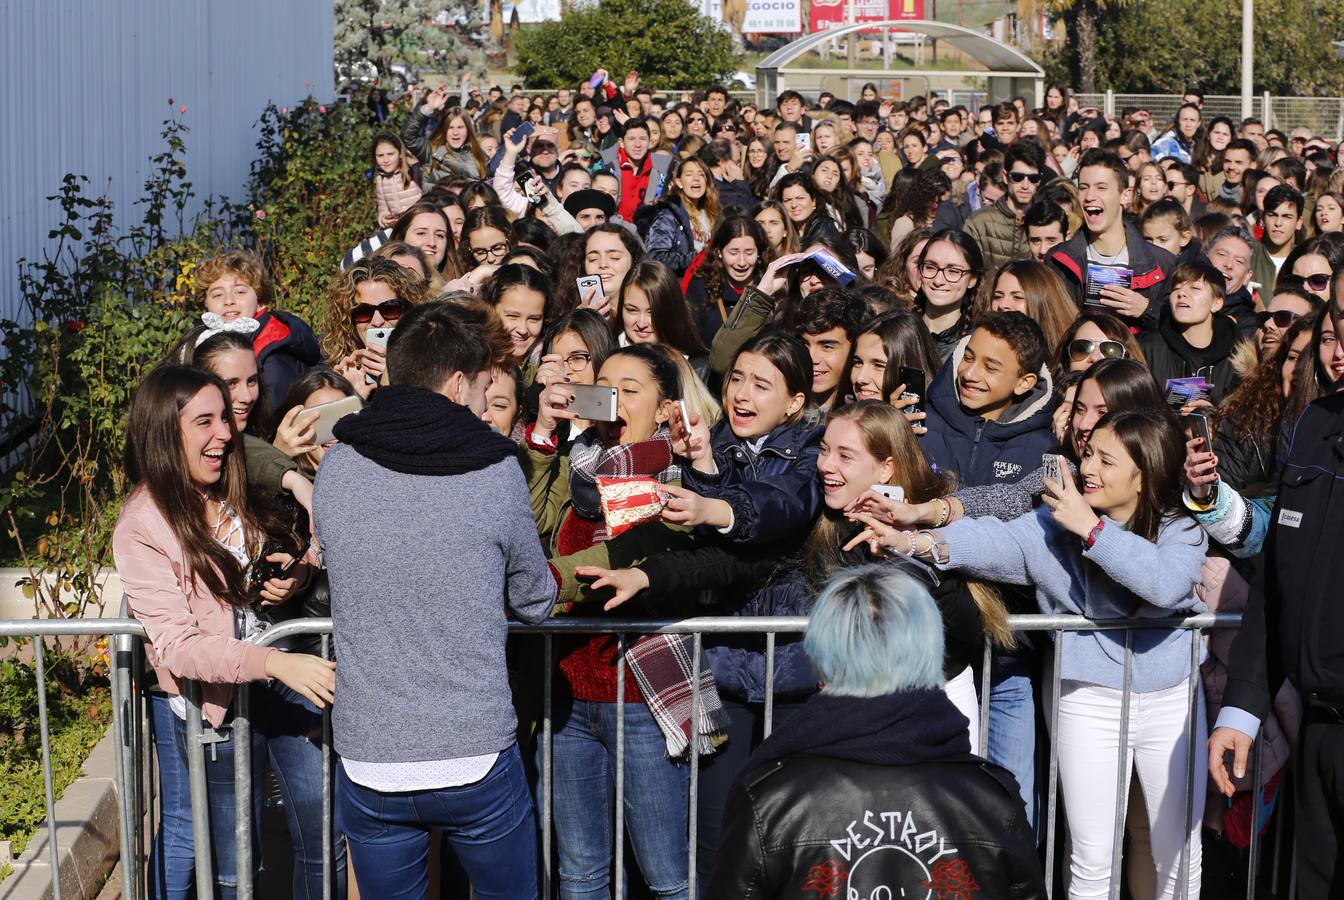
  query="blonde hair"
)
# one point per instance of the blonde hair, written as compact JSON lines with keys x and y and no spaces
{"x":338,"y":334}
{"x":246,"y":267}
{"x":698,"y":398}
{"x":887,"y":435}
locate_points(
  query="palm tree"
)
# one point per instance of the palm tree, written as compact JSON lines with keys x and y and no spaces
{"x":1085,"y":14}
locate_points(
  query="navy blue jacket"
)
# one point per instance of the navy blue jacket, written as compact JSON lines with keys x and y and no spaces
{"x":283,"y":360}
{"x":774,"y":492}
{"x":978,"y":451}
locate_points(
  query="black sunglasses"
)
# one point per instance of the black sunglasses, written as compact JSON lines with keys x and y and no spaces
{"x":1019,"y":177}
{"x":390,"y":310}
{"x":1173,"y":185}
{"x":1282,"y":318}
{"x":1317,"y":282}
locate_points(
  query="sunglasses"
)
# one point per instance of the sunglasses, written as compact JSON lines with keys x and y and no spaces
{"x":390,"y":310}
{"x":1281,"y":318}
{"x":1082,"y":349}
{"x":1173,"y":185}
{"x":1317,"y":282}
{"x":1019,"y":177}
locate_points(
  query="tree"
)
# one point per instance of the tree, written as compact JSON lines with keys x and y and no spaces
{"x":1163,"y":46}
{"x":666,"y":41}
{"x":405,"y":31}
{"x":1082,"y":16}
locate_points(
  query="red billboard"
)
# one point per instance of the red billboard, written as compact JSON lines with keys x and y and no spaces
{"x":835,"y":13}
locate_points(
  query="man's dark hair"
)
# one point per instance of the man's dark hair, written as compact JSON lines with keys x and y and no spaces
{"x":1043,"y":212}
{"x":1290,"y":168}
{"x":641,"y":123}
{"x":866,"y":110}
{"x":949,"y":113}
{"x":435,"y":339}
{"x":1200,"y":270}
{"x":785,"y":96}
{"x":1242,"y":144}
{"x":786,"y":126}
{"x":1251,"y":120}
{"x":1188,"y":172}
{"x":831,"y":307}
{"x":1029,"y":152}
{"x":1020,"y":332}
{"x":1193,"y":92}
{"x":1137,"y":142}
{"x":1284,"y":193}
{"x":716,"y":89}
{"x":1005,"y":110}
{"x":1107,"y":160}
{"x":1168,"y":208}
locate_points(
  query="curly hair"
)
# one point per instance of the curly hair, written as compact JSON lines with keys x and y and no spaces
{"x":1254,"y":410}
{"x":339,"y":338}
{"x":242,"y":265}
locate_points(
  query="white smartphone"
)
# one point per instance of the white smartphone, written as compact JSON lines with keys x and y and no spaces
{"x":593,"y":402}
{"x":378,"y":337}
{"x":1053,"y":465}
{"x":331,"y":412}
{"x":587,"y":283}
{"x":891,"y":491}
{"x":803,"y":141}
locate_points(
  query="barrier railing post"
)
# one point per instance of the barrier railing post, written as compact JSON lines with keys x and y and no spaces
{"x":1122,"y":770}
{"x":242,"y":789}
{"x":547,"y":787}
{"x":200,"y":796}
{"x":769,"y":683}
{"x":693,"y":834}
{"x":1257,"y":787}
{"x":1183,"y":872}
{"x":328,"y":840}
{"x":123,"y":744}
{"x":620,"y":768}
{"x":1052,"y":786}
{"x":985,"y":687}
{"x":40,"y":660}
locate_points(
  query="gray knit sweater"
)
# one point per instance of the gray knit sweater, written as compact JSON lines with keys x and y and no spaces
{"x":423,"y":570}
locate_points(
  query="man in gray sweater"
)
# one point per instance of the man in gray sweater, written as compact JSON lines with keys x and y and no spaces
{"x":428,"y":536}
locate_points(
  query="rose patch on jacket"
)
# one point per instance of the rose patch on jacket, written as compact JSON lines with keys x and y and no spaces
{"x":887,"y":855}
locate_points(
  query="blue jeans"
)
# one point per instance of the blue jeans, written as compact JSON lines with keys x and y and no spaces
{"x":657,"y":801}
{"x":1012,"y":726}
{"x":284,"y":727}
{"x":490,"y":825}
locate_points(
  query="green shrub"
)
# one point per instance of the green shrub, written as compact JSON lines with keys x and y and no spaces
{"x":667,"y":41}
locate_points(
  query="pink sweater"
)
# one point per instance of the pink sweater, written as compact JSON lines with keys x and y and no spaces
{"x":190,"y":630}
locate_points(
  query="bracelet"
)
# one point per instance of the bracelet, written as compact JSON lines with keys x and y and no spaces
{"x":945,"y":514}
{"x":1095,"y":533}
{"x":934,"y":544}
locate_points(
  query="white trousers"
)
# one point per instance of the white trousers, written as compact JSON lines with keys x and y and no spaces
{"x":961,"y":691}
{"x":1157,"y":749}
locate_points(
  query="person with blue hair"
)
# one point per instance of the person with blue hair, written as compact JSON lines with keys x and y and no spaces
{"x":871,"y":784}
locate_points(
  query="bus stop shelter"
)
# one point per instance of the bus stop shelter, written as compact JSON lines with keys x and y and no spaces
{"x":1008,"y":71}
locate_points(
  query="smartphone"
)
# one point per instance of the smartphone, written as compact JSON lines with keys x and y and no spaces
{"x":598,"y":77}
{"x":593,"y":402}
{"x":803,"y":141}
{"x":378,"y":337}
{"x":1197,"y":426}
{"x":328,"y":414}
{"x":913,"y":379}
{"x":520,"y":134}
{"x":679,"y":421}
{"x":588,"y":282}
{"x":1053,"y":468}
{"x":890,"y":491}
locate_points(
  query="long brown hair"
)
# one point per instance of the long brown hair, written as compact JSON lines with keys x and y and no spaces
{"x":154,"y":462}
{"x":1254,"y":410}
{"x":886,"y":435}
{"x":1048,"y":302}
{"x":1157,"y":447}
{"x":440,"y":138}
{"x":709,"y":204}
{"x":339,"y":338}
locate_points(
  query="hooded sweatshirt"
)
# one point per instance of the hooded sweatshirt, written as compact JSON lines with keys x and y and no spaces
{"x":1170,"y":355}
{"x":980,"y":451}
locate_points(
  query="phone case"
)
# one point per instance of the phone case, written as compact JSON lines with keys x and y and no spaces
{"x":377,"y":337}
{"x":328,"y":414}
{"x":589,"y":281}
{"x":594,"y":402}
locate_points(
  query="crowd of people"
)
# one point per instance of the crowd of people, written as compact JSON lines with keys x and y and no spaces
{"x":903,"y":367}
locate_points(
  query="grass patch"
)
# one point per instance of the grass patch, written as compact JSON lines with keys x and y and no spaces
{"x":79,"y":707}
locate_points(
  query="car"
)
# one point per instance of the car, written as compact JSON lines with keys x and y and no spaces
{"x":743,"y":80}
{"x":364,"y":73}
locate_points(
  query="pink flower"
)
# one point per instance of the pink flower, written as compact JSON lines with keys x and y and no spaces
{"x":182,"y":110}
{"x":284,"y":110}
{"x":322,"y":109}
{"x":261,"y":214}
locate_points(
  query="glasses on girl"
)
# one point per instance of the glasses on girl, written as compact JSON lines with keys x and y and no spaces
{"x":1082,"y":349}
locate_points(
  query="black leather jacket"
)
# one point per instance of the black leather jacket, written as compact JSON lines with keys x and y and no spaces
{"x":848,"y":829}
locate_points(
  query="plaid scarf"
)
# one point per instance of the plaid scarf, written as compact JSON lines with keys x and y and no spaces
{"x":662,"y":666}
{"x":589,"y":460}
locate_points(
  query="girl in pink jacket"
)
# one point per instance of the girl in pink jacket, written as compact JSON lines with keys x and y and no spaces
{"x":188,"y":547}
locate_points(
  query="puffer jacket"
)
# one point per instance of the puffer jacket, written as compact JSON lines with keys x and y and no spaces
{"x":875,"y":797}
{"x":437,"y":163}
{"x":979,"y":451}
{"x":998,"y":234}
{"x":285,"y":347}
{"x":774,"y":490}
{"x":668,"y":237}
{"x":393,"y":196}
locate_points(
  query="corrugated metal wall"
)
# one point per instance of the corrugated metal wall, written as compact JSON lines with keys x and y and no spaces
{"x":87,"y":84}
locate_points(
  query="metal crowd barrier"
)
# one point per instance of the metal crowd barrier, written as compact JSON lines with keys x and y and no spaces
{"x":135,"y":775}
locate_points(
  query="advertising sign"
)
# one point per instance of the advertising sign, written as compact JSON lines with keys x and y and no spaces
{"x":835,"y":13}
